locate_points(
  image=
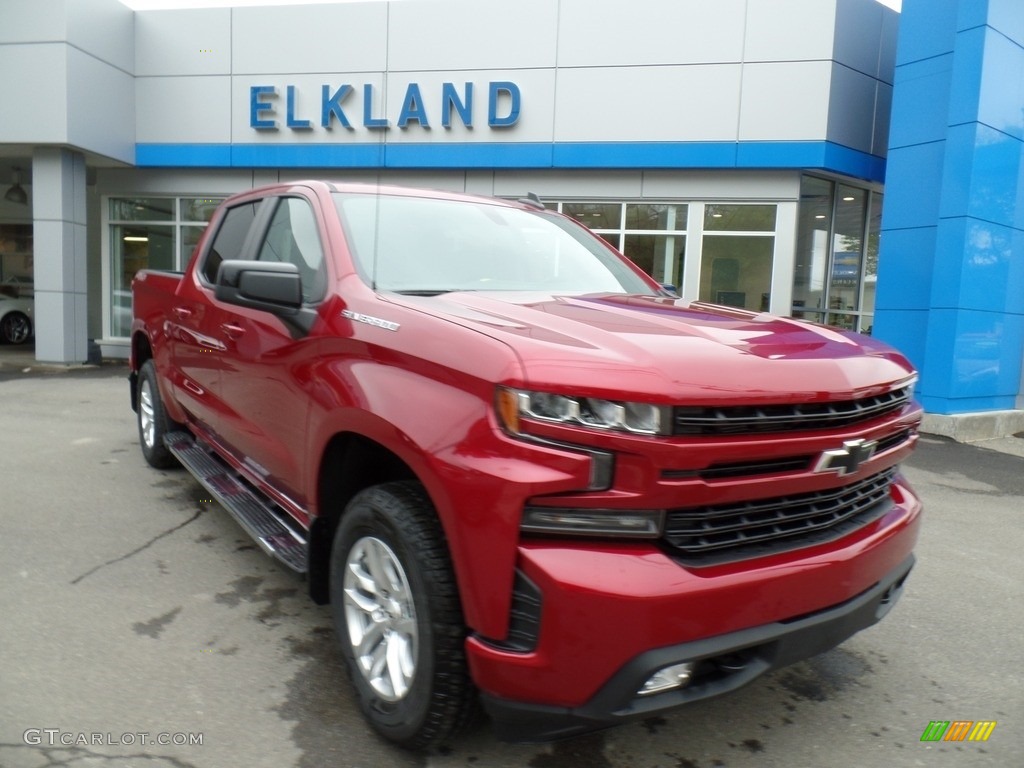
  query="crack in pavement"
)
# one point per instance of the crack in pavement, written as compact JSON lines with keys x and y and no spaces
{"x":77,"y":757}
{"x":136,"y":551}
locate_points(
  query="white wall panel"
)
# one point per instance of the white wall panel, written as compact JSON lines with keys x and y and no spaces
{"x":851,"y":93}
{"x":613,"y":32}
{"x":792,"y":31}
{"x":104,"y":29}
{"x":858,"y":35}
{"x":887,"y":50}
{"x":172,"y":181}
{"x":613,"y":185}
{"x":183,"y":109}
{"x":187,"y":42}
{"x":722,"y":185}
{"x":472,"y":34}
{"x":480,"y":182}
{"x":689,"y":103}
{"x":347,"y":37}
{"x":101,"y":107}
{"x":34,"y":108}
{"x":786,"y":101}
{"x":450,"y":181}
{"x":31,"y":21}
{"x":633,"y":72}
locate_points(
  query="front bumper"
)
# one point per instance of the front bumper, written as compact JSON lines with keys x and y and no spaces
{"x":724,"y":663}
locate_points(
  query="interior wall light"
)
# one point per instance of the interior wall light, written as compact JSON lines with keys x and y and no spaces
{"x":16,"y":194}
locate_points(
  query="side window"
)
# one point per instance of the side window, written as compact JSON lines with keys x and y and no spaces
{"x":293,"y":237}
{"x":228,"y":242}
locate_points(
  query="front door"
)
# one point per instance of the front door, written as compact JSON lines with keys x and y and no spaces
{"x":265,"y":377}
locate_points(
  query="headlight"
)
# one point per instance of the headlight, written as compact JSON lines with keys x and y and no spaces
{"x":911,"y":386}
{"x":616,"y":415}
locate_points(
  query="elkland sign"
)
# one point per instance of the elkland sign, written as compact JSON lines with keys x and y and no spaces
{"x":349,"y":106}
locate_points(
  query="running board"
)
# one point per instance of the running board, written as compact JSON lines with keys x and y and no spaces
{"x":258,"y":516}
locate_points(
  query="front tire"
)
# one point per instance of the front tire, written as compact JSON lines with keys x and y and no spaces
{"x":396,"y":610}
{"x":152,"y":419}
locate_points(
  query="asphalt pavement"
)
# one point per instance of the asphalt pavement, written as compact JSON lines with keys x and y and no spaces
{"x":134,"y":613}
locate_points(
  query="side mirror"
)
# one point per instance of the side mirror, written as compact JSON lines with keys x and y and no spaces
{"x":272,"y":286}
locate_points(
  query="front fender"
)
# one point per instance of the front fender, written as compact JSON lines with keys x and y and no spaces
{"x":477,"y":477}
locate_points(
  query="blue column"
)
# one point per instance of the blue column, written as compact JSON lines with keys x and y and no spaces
{"x":951,"y":263}
{"x":58,"y":210}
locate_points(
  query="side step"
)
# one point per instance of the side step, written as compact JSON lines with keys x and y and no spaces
{"x":258,"y":516}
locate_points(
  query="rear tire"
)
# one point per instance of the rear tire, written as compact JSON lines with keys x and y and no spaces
{"x":153,"y":421}
{"x":396,"y":610}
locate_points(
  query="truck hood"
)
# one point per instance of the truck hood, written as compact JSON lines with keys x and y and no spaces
{"x":661,"y":349}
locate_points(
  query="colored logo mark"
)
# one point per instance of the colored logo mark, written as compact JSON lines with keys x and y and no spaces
{"x":958,"y":730}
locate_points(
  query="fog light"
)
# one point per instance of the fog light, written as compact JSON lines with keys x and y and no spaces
{"x":667,"y":678}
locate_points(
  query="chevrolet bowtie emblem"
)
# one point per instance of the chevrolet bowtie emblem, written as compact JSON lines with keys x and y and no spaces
{"x":846,"y":460}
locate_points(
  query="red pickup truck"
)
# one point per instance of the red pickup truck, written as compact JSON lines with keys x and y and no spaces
{"x":522,"y":472}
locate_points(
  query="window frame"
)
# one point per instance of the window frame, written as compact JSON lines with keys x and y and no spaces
{"x":685,"y":277}
{"x":825,"y":313}
{"x":273,"y":204}
{"x":178,"y":223}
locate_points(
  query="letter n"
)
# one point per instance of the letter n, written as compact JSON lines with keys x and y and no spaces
{"x":935,"y":730}
{"x":453,"y":103}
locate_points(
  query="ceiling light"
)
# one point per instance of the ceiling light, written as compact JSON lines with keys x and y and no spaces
{"x":820,"y":216}
{"x":16,"y":194}
{"x":136,"y":239}
{"x":849,"y":199}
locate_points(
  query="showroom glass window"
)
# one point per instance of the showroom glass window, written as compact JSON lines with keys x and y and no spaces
{"x":149,"y":233}
{"x":652,"y":235}
{"x":837,"y":254}
{"x":737,"y":255}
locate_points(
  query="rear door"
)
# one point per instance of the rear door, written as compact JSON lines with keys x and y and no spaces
{"x":195,"y":320}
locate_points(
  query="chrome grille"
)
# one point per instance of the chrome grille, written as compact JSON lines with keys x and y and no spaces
{"x":720,"y":533}
{"x":751,"y":420}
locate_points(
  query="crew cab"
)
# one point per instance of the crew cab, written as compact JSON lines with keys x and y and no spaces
{"x":521,"y":472}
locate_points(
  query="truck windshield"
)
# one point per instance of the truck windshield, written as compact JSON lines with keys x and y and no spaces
{"x":428,"y":246}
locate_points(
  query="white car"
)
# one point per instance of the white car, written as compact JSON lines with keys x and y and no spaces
{"x":15,"y":318}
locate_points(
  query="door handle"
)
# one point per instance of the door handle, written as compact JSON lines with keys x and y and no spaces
{"x":182,"y":313}
{"x":231,"y":330}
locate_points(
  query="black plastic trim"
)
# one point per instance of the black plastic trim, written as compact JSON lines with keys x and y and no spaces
{"x":729,"y":532}
{"x":766,"y":419}
{"x":524,"y":617}
{"x":724,"y":663}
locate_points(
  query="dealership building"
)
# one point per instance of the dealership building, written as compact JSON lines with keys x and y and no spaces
{"x":727,"y":150}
